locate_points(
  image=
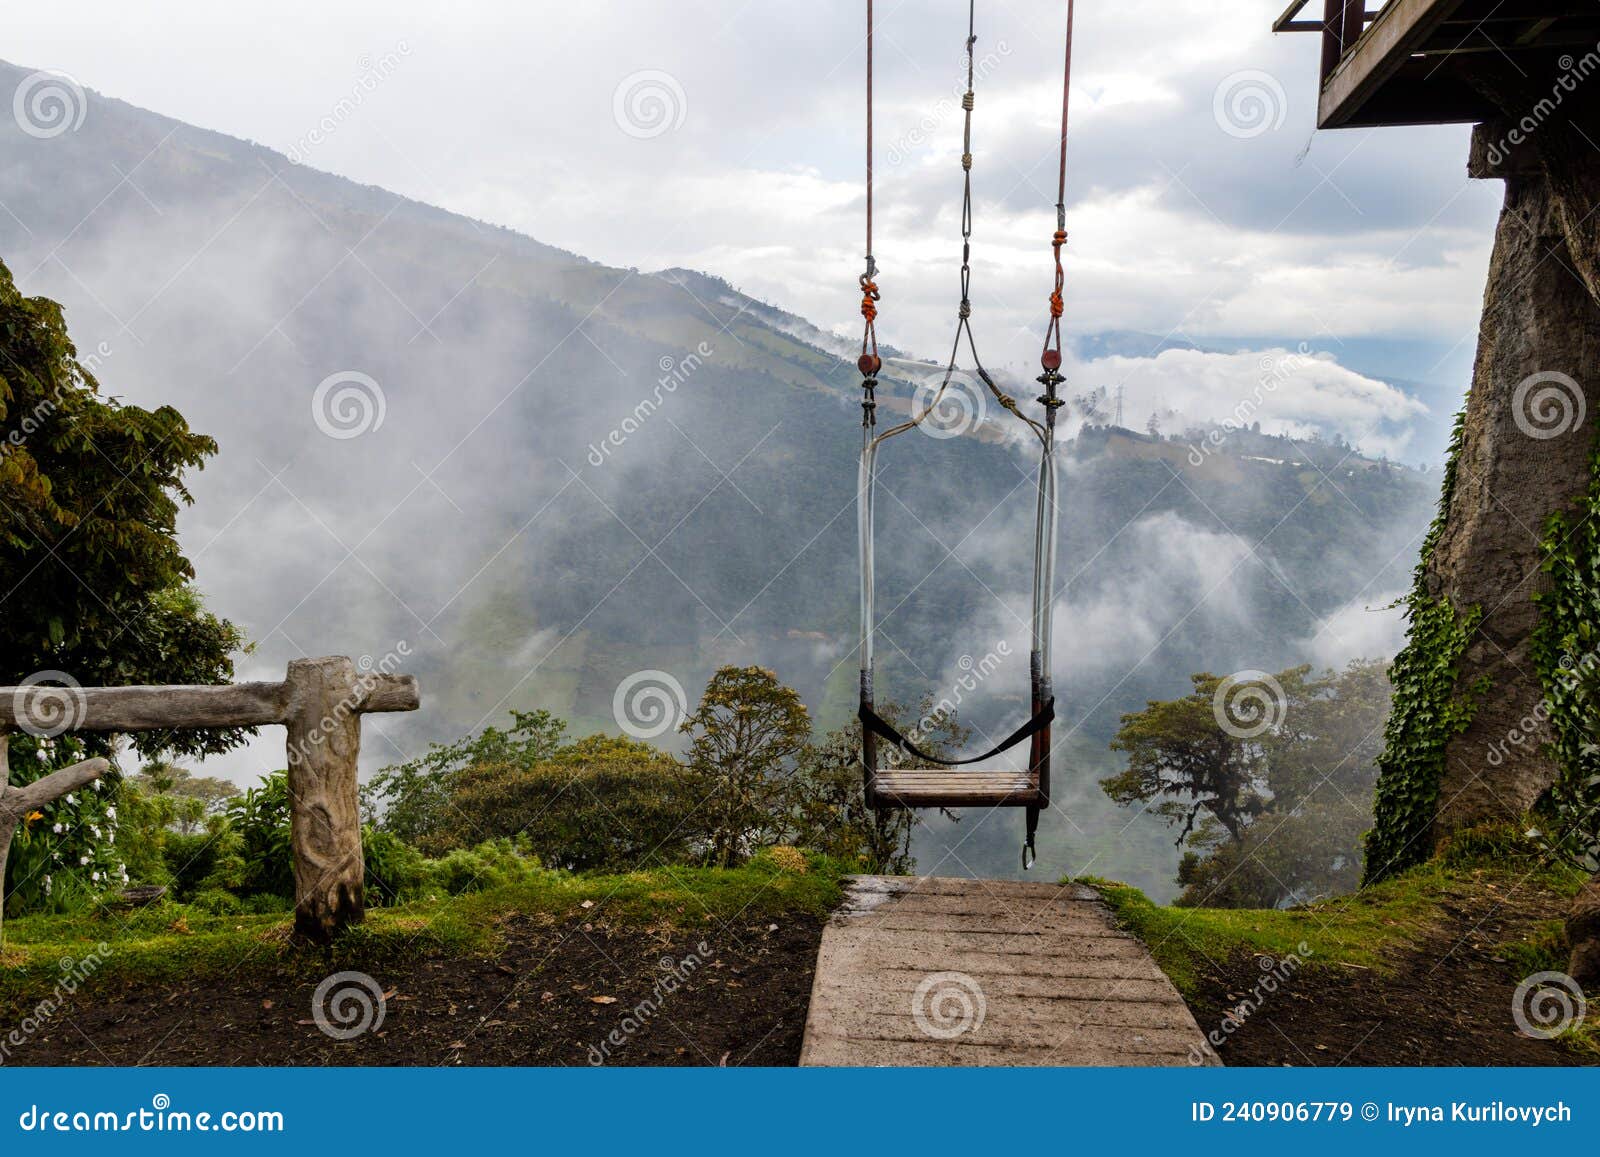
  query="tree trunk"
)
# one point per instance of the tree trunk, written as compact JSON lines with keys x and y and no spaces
{"x":324,"y":741}
{"x":1583,"y":933}
{"x":1518,"y":464}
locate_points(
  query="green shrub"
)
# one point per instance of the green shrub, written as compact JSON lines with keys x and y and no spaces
{"x":218,"y":902}
{"x":489,"y":865}
{"x":260,"y":818}
{"x":601,"y":803}
{"x":395,"y":870}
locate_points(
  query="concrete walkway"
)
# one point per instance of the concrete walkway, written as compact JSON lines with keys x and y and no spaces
{"x":938,"y":971}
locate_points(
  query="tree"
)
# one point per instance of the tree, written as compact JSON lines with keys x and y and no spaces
{"x":602,"y":803}
{"x":828,"y":798}
{"x":746,"y":738}
{"x":97,"y":586}
{"x":191,"y":798}
{"x":1183,"y":761}
{"x":415,"y":800}
{"x":1282,"y":796}
{"x":97,"y":589}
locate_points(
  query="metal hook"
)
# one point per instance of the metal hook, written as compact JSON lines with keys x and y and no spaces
{"x":1029,"y":855}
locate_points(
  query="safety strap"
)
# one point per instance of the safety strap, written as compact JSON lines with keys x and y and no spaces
{"x":876,"y":723}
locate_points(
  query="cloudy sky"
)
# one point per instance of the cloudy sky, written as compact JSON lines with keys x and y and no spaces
{"x":727,"y":135}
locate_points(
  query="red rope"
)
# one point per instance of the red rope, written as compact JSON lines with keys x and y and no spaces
{"x":869,"y":363}
{"x":1051,"y":357}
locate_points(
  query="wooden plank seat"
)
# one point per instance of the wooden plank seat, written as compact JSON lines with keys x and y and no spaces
{"x":956,"y":787}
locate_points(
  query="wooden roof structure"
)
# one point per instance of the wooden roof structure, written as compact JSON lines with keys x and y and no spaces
{"x":1417,"y":61}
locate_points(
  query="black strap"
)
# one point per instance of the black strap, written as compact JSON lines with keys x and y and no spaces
{"x":871,"y":720}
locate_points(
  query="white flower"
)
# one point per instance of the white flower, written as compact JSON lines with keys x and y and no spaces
{"x":83,"y":861}
{"x":98,"y":786}
{"x":94,"y":876}
{"x":72,"y":798}
{"x":111,"y":838}
{"x":111,"y":812}
{"x":47,"y":885}
{"x":58,"y":829}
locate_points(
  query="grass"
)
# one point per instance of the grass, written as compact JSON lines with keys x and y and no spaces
{"x":169,"y":941}
{"x":1360,"y":930}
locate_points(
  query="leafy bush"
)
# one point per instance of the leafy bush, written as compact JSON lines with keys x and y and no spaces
{"x":395,"y":870}
{"x":602,"y":803}
{"x":260,"y":818}
{"x":205,"y":861}
{"x":415,"y":800}
{"x":491,"y":864}
{"x":64,"y":855}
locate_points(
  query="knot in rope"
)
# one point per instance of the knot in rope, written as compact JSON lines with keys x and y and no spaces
{"x":1057,"y":306}
{"x":967,"y":99}
{"x":966,"y":309}
{"x":869,"y":295}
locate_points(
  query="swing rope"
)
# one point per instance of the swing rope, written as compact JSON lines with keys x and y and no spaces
{"x":869,"y":363}
{"x":1050,"y":359}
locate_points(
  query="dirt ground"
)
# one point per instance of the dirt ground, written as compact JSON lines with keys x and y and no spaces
{"x":1447,"y":1002}
{"x":557,"y":993}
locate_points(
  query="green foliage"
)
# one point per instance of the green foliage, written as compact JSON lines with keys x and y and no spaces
{"x":1429,"y":709}
{"x":1285,"y":808}
{"x":260,"y":820}
{"x":601,"y":803}
{"x":414,"y":800}
{"x":393,"y":868}
{"x":1566,"y":653}
{"x":1371,"y":929}
{"x":746,"y":739}
{"x":66,"y":854}
{"x":827,"y":799}
{"x":1183,"y":761}
{"x":89,"y":495}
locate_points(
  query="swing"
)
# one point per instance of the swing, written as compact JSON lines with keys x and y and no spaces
{"x":944,"y":785}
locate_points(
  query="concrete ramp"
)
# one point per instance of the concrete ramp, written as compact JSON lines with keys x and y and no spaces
{"x":938,"y":971}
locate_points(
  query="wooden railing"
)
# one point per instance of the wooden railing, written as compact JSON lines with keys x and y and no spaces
{"x":319,"y":704}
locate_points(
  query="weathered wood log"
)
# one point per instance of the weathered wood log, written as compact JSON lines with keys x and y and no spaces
{"x":320,"y":703}
{"x":324,"y":745}
{"x":16,"y":803}
{"x":187,"y":708}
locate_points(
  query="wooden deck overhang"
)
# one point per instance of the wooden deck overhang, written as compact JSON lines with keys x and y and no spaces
{"x":1414,"y":61}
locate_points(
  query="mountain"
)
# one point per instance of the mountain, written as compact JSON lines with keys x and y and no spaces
{"x":533,"y":475}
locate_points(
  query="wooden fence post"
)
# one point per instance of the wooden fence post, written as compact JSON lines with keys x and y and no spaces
{"x":324,"y":742}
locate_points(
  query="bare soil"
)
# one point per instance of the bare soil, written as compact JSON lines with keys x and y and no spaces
{"x":554,"y":993}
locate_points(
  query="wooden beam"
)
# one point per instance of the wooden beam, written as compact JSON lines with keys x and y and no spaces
{"x":44,"y":708}
{"x":1400,"y":28}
